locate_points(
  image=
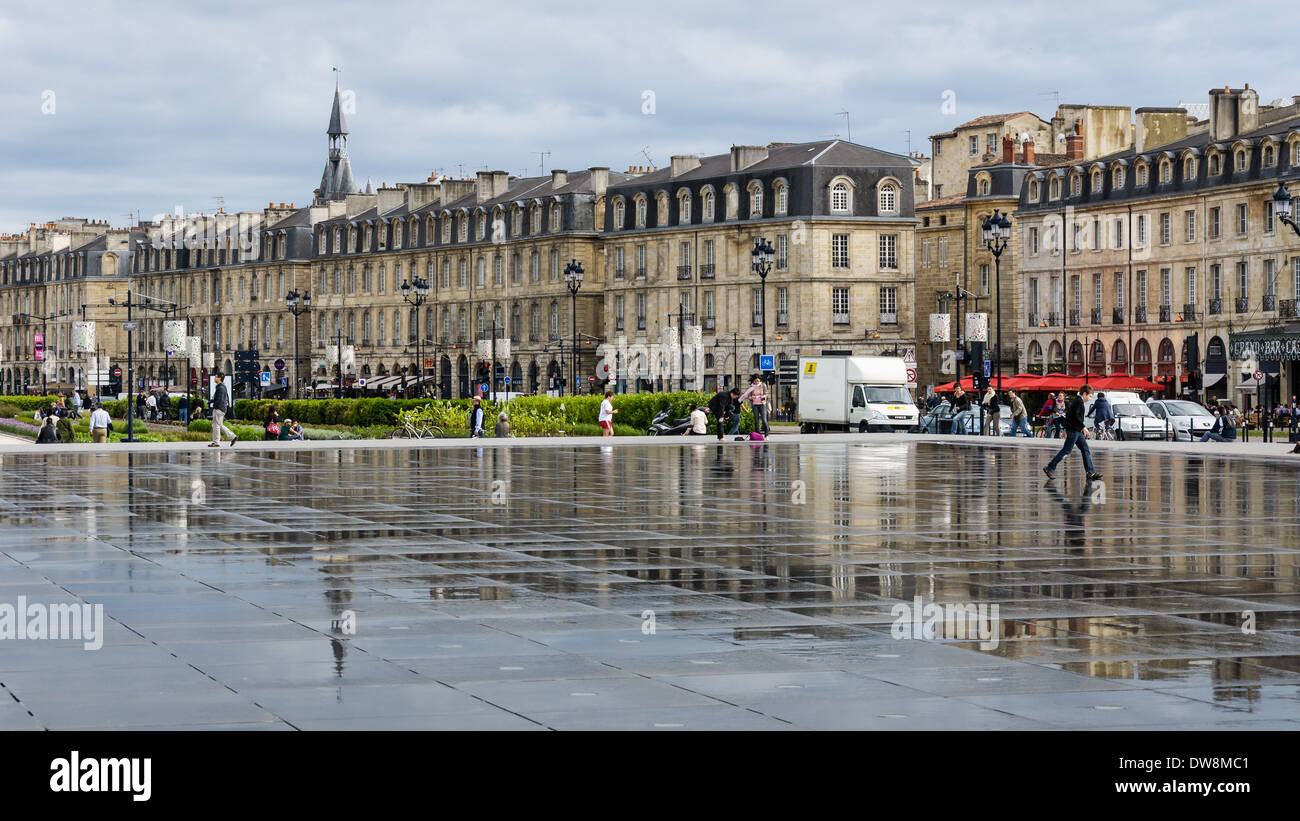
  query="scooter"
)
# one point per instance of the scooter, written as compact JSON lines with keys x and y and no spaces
{"x":660,"y":426}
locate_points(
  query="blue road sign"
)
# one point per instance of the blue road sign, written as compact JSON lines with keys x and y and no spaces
{"x":767,"y":363}
{"x":284,"y":381}
{"x":988,"y":369}
{"x":483,"y":388}
{"x":507,"y":380}
{"x":265,"y":378}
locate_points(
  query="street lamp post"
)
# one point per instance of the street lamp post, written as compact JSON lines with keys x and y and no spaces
{"x":297,"y":304}
{"x":420,"y":287}
{"x":997,"y":232}
{"x":45,"y":345}
{"x":130,"y":366}
{"x":573,"y":278}
{"x":762,"y":254}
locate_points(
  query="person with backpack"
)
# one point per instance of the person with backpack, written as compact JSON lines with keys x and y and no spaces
{"x":1103,"y":415}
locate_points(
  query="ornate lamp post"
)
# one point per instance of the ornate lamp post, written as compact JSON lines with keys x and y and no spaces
{"x":997,"y":232}
{"x":573,"y":278}
{"x":297,"y":304}
{"x":763,"y":254}
{"x":420,"y":287}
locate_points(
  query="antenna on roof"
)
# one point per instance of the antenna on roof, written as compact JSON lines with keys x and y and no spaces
{"x":1054,"y":94}
{"x":847,"y":127}
{"x":542,"y":155}
{"x":646,"y":153}
{"x":221,"y":202}
{"x":908,"y":132}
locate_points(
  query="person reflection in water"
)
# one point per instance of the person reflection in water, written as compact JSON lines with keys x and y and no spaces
{"x":1075,"y":510}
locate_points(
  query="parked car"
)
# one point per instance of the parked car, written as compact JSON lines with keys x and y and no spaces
{"x":1187,"y":420}
{"x":1133,"y":419}
{"x":968,"y":422}
{"x":938,"y":419}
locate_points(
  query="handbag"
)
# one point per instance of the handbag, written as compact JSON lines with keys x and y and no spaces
{"x":110,"y":426}
{"x":273,"y":428}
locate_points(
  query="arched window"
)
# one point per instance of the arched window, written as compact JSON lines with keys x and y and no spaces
{"x":982,"y":187}
{"x":1119,"y":352}
{"x":684,"y":207}
{"x":1189,"y":168}
{"x":640,"y":211}
{"x":1034,"y":191}
{"x":1241,"y":163}
{"x":708,"y":205}
{"x":618,"y":214}
{"x":782,"y":194}
{"x":887,"y":198}
{"x":1269,"y":156}
{"x":1096,"y":182}
{"x":840,"y":201}
{"x":1214,"y":164}
{"x":1055,"y":188}
{"x":1142,"y":175}
{"x":1117,"y":178}
{"x":755,"y":199}
{"x":1166,"y":171}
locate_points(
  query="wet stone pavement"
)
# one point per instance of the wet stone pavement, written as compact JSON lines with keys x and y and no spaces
{"x":702,"y":587}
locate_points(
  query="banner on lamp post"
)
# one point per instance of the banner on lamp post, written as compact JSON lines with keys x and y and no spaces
{"x":193,"y":348}
{"x":83,"y":337}
{"x":174,"y":336}
{"x":209,"y":360}
{"x":977,"y":327}
{"x":331,"y":354}
{"x":349,"y":359}
{"x":940,"y":327}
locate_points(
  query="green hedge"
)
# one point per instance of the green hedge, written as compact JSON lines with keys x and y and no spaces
{"x":28,"y":403}
{"x":635,"y":410}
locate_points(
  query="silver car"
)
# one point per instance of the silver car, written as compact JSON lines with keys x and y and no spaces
{"x":968,"y":422}
{"x":1187,"y":421}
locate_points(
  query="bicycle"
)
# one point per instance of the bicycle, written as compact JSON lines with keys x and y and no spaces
{"x":410,"y":430}
{"x":1103,"y":433}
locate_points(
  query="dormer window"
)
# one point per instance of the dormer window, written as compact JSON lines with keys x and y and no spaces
{"x":1034,"y":191}
{"x":982,"y":187}
{"x":555,"y":217}
{"x":537,"y":219}
{"x":887,"y":198}
{"x":640,"y":212}
{"x":1189,"y":169}
{"x":1055,"y":188}
{"x":1241,"y":163}
{"x":1141,"y":175}
{"x":840,"y":203}
{"x":446,"y":228}
{"x":782,"y":198}
{"x":1269,"y":156}
{"x":1214,"y":165}
{"x":619,"y":213}
{"x":755,"y":200}
{"x":397,"y":235}
{"x":464,"y":227}
{"x":684,"y":208}
{"x":1166,"y":171}
{"x":1076,"y":184}
{"x":482,"y":226}
{"x":708,"y":205}
{"x":1096,"y":182}
{"x":1117,"y":179}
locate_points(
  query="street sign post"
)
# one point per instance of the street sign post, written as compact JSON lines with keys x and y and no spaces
{"x":130,"y":326}
{"x":1259,"y":376}
{"x":264,"y":378}
{"x":767,"y":362}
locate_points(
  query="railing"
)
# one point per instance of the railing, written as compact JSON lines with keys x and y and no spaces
{"x":889,"y":319}
{"x":618,"y":324}
{"x":1216,"y":306}
{"x":757,"y":320}
{"x":1189,"y":312}
{"x":1074,"y":317}
{"x":1054,"y":319}
{"x":1117,"y":316}
{"x":532,"y":337}
{"x":706,"y":271}
{"x":683,"y":272}
{"x":1095,"y":316}
{"x":1033,"y":319}
{"x":1242,"y":305}
{"x":1166,"y":313}
{"x":1140,"y":314}
{"x":640,"y":271}
{"x":1287,"y":308}
{"x":618,"y":272}
{"x":838,"y":318}
{"x":709,"y":323}
{"x":782,"y":318}
{"x":1270,"y":302}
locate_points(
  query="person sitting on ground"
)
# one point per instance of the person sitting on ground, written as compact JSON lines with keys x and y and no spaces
{"x":699,"y":423}
{"x":290,"y":431}
{"x":48,"y":435}
{"x":502,"y":429}
{"x":66,"y":434}
{"x":1223,"y":431}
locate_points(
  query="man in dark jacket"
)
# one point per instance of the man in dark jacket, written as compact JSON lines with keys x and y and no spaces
{"x":48,"y":435}
{"x":476,"y":419}
{"x":960,"y":401}
{"x":1223,"y":430}
{"x":220,"y":407}
{"x":722,"y":407}
{"x":1076,"y":433}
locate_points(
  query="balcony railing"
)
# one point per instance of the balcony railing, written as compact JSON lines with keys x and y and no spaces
{"x":889,"y":319}
{"x":706,"y":271}
{"x":709,"y":323}
{"x":1287,"y":308}
{"x":1216,"y":306}
{"x":618,"y":324}
{"x":1166,"y":313}
{"x":1095,"y":317}
{"x":1189,"y":312}
{"x":1074,"y":317}
{"x":840,"y":319}
{"x":640,"y":271}
{"x":1270,"y":302}
{"x":1117,"y":316}
{"x":618,"y":272}
{"x":1140,"y":314}
{"x":683,"y":272}
{"x":1243,"y":305}
{"x":782,"y":318}
{"x":1054,"y":319}
{"x":1033,"y":319}
{"x":532,"y":337}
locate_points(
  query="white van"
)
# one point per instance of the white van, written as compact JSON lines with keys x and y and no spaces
{"x":855,"y":393}
{"x":1133,"y":419}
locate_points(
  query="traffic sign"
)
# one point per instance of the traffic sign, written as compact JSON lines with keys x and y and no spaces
{"x":911,"y":376}
{"x":361,"y":383}
{"x":483,"y":388}
{"x":591,"y":379}
{"x":117,"y":372}
{"x":264,"y":377}
{"x":988,"y":369}
{"x":130,"y":326}
{"x":767,"y":362}
{"x":507,"y":380}
{"x":909,"y":357}
{"x":284,"y":381}
{"x":279,"y":364}
{"x":1259,"y":376}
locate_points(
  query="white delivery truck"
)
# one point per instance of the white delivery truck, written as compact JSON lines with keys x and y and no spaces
{"x":859,"y":393}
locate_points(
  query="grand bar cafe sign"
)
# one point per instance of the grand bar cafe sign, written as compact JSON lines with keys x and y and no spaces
{"x":1270,"y":348}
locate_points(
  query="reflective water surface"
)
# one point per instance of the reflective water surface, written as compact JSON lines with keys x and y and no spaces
{"x":736,"y":586}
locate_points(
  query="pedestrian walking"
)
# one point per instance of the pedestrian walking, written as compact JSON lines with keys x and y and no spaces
{"x":757,"y":396}
{"x":606,"y":418}
{"x":990,"y":410}
{"x":99,"y":424}
{"x":721,"y":407}
{"x":76,"y":405}
{"x":960,"y":401}
{"x":151,"y":405}
{"x":220,"y":407}
{"x":1019,"y":415}
{"x":183,"y":409}
{"x":476,"y":419}
{"x":1076,"y":435}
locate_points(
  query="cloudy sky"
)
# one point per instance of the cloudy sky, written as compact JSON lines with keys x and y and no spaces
{"x":121,"y":107}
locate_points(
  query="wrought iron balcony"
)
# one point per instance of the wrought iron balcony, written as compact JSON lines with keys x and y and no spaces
{"x":1054,"y":319}
{"x":1166,"y":313}
{"x":706,"y":271}
{"x":1033,"y":319}
{"x":1287,"y":308}
{"x":1095,"y":317}
{"x":1074,"y":317}
{"x":618,"y":272}
{"x":1216,"y":306}
{"x":683,"y":272}
{"x":1117,"y":316}
{"x":889,"y":318}
{"x":836,"y":318}
{"x":640,"y":271}
{"x":1189,"y":312}
{"x":709,"y":323}
{"x":1140,"y":314}
{"x":782,"y":318}
{"x":1242,"y":305}
{"x":1270,"y":302}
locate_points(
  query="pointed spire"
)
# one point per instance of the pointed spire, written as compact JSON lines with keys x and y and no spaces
{"x":338,"y":126}
{"x":370,"y":188}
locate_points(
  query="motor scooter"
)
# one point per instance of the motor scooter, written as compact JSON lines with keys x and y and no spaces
{"x":662,"y":426}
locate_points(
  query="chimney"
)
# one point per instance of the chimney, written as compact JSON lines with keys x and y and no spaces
{"x":743,"y":156}
{"x":599,"y":179}
{"x":1074,"y":143}
{"x":1158,"y":126}
{"x":491,"y":184}
{"x":1008,"y":149}
{"x":1233,"y":112}
{"x":559,"y":179}
{"x":682,"y":163}
{"x":1029,"y":152}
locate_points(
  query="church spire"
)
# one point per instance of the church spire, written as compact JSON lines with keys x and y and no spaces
{"x":336,"y":183}
{"x":338,"y":125}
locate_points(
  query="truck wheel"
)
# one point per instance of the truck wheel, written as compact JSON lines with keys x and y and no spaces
{"x":862,"y":426}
